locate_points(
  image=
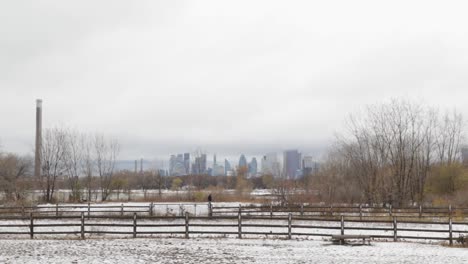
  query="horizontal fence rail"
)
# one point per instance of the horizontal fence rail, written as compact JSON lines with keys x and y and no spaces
{"x":352,"y":212}
{"x":240,"y":225}
{"x":151,"y":209}
{"x":360,"y":212}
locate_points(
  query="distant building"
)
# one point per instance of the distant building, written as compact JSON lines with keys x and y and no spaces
{"x":253,"y":167}
{"x":172,"y":161}
{"x":243,"y":162}
{"x":203,"y":164}
{"x":218,"y":170}
{"x":270,"y":164}
{"x":187,"y":163}
{"x":292,"y":167}
{"x":309,"y":166}
{"x":177,"y":165}
{"x":199,"y":166}
{"x":227,"y":167}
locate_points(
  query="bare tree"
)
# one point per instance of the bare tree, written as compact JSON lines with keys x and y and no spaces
{"x":106,"y":152}
{"x":390,"y":149}
{"x":449,"y":138}
{"x":53,"y":154}
{"x":88,"y":164}
{"x":74,"y":158}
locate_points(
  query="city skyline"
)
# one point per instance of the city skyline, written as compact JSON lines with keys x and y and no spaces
{"x":269,"y":163}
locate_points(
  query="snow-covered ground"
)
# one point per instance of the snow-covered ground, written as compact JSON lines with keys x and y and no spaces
{"x":210,"y":250}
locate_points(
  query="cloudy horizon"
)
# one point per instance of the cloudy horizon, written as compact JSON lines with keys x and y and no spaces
{"x":227,"y":77}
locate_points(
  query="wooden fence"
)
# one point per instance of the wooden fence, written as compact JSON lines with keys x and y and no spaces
{"x":360,"y":212}
{"x":240,"y":225}
{"x":170,"y":209}
{"x":351,"y":212}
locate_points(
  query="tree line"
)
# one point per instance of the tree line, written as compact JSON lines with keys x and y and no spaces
{"x":396,"y":153}
{"x":75,"y":160}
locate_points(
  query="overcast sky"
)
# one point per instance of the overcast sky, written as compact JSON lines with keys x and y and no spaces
{"x":228,"y":77}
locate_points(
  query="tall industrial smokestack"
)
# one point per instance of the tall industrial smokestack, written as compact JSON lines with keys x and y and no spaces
{"x":37,"y":157}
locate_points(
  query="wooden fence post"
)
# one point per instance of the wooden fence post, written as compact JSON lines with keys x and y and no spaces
{"x":186,"y":225}
{"x":331,"y":209}
{"x":151,"y":209}
{"x":210,"y":209}
{"x":450,"y":231}
{"x":22,"y":210}
{"x":342,"y":225}
{"x":302,"y":209}
{"x":271,"y":210}
{"x":289,"y":225}
{"x":89,"y":209}
{"x":82,"y":225}
{"x":390,"y":210}
{"x":360,"y":212}
{"x":395,"y":230}
{"x":56,"y":209}
{"x":239,"y":222}
{"x":31,"y":226}
{"x":134,"y":225}
{"x":121,"y":209}
{"x":450,"y":210}
{"x":420,"y":211}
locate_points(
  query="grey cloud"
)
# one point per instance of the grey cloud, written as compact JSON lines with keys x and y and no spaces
{"x":230,"y":77}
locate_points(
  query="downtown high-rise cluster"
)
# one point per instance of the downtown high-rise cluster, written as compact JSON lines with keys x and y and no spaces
{"x":292,"y":166}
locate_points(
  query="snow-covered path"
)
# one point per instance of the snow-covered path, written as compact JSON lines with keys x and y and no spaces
{"x":221,"y":250}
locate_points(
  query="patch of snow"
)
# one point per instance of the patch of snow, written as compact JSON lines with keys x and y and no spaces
{"x":176,"y":250}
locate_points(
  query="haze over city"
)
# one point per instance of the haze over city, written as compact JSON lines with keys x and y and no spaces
{"x":247,"y":77}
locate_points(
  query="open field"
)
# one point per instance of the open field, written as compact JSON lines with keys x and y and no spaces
{"x":176,"y":250}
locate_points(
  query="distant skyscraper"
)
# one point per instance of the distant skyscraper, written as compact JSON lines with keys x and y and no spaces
{"x":292,"y":164}
{"x":218,"y":170}
{"x":177,"y":165}
{"x":270,"y":164}
{"x":308,"y":165}
{"x":172,"y":161}
{"x":227,"y":167}
{"x":199,"y":167}
{"x":187,"y":163}
{"x":203,"y":164}
{"x":253,"y":167}
{"x":243,"y":162}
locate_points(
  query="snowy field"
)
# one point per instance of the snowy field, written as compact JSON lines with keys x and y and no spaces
{"x":176,"y":250}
